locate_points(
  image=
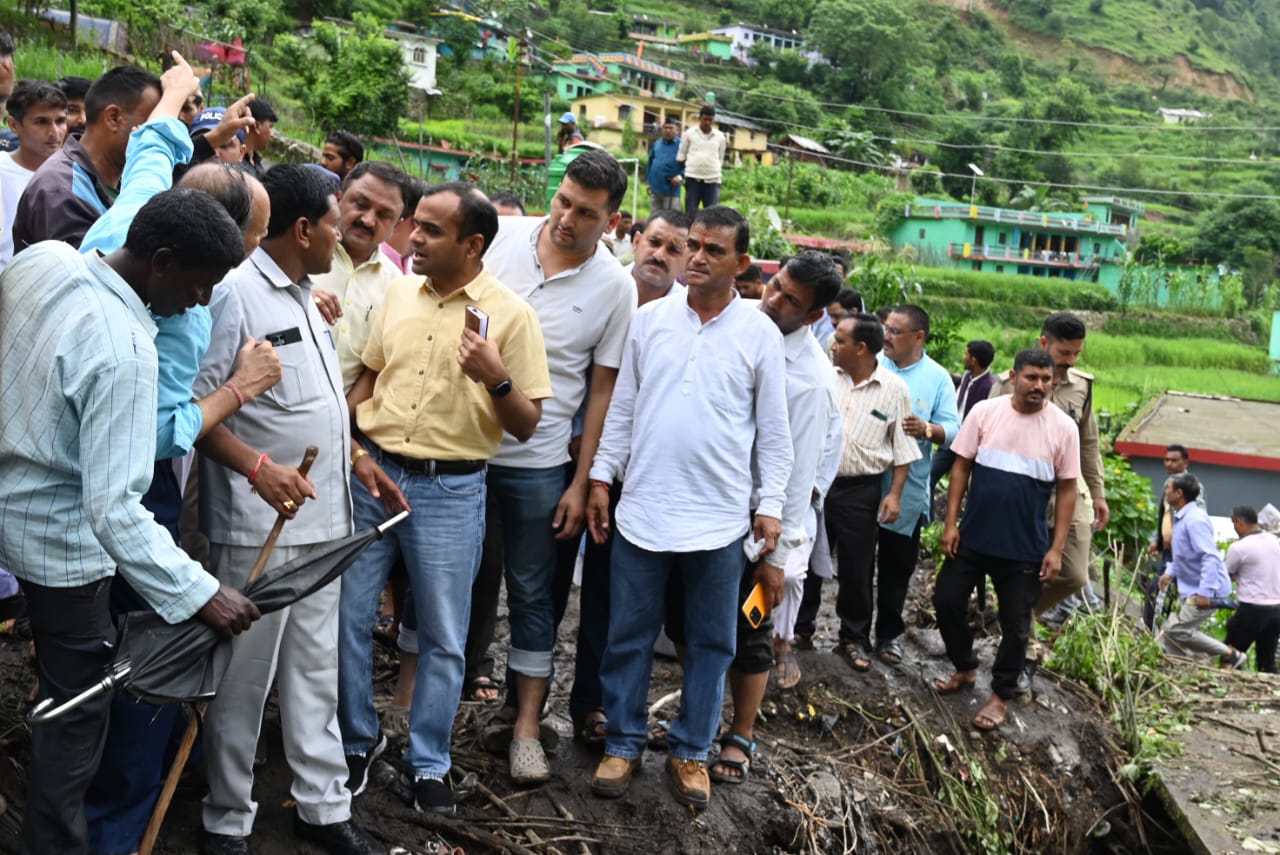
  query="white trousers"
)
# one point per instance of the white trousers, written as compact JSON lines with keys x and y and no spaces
{"x":298,"y":644}
{"x":784,"y":616}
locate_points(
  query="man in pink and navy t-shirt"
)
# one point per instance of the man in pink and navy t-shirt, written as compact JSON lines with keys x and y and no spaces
{"x":1012,"y":454}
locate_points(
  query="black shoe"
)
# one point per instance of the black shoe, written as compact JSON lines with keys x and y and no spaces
{"x":431,"y":796}
{"x":338,"y":838}
{"x":223,"y":844}
{"x":358,"y":765}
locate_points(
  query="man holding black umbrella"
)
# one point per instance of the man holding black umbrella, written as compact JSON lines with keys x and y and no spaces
{"x":78,"y":401}
{"x":268,"y":297}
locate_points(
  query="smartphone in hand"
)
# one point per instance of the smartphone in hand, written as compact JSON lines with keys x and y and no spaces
{"x":477,"y":321}
{"x":756,"y":608}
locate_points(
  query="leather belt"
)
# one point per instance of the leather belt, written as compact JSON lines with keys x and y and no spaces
{"x":432,"y":468}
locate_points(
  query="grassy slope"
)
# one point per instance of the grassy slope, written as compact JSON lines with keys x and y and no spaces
{"x":1130,"y":369}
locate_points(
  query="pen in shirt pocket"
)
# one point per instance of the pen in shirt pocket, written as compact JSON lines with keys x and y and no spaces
{"x":881,"y":416}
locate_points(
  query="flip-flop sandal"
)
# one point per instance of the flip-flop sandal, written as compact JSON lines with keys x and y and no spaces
{"x":743,"y":767}
{"x":890,"y":652}
{"x":786,"y":672}
{"x":481,"y":684}
{"x":986,"y":721}
{"x":590,"y":730}
{"x":953,"y":684}
{"x":853,"y":653}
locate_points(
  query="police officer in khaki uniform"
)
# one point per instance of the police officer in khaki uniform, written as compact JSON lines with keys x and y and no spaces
{"x":1062,"y":335}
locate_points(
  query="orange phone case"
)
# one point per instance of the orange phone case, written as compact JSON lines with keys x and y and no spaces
{"x":755,"y":608}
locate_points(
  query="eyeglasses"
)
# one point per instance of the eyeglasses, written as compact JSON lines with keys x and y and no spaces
{"x":895,"y":331}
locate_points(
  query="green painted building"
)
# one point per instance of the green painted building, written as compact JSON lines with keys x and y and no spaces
{"x":1091,"y":245}
{"x":586,"y":74}
{"x":708,"y":46}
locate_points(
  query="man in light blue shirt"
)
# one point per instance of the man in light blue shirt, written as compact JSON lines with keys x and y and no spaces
{"x":1201,"y":576}
{"x":78,"y":406}
{"x":933,"y":420}
{"x":119,"y":802}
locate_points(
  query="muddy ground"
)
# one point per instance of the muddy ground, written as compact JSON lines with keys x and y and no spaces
{"x":871,"y":763}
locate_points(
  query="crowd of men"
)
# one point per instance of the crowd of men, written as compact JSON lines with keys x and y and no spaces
{"x":512,"y":384}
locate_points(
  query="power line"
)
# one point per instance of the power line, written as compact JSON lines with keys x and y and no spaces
{"x":998,"y":119}
{"x":1118,"y":191}
{"x":1124,"y":191}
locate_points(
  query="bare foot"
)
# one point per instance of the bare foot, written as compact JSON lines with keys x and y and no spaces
{"x":957,"y":681}
{"x":991,"y":715}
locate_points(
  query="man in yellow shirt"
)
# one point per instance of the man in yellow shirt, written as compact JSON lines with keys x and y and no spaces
{"x":432,"y":404}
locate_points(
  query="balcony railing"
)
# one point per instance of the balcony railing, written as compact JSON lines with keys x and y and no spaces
{"x":1045,"y":257}
{"x":1004,"y":216}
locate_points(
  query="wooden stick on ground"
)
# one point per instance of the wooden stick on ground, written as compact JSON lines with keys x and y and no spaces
{"x":197,"y":715}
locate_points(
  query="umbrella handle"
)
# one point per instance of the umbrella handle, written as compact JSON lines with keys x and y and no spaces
{"x":45,"y":711}
{"x":261,"y":564}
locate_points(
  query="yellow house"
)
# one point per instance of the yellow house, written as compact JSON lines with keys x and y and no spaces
{"x":603,"y":118}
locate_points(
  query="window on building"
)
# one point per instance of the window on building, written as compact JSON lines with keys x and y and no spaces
{"x":1002,"y":237}
{"x":624,"y":113}
{"x":419,"y":56}
{"x":999,"y":268}
{"x":922,"y":234}
{"x":977,"y":265}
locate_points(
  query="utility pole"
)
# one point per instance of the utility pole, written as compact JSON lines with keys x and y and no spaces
{"x":546,"y":121}
{"x":791,"y":162}
{"x":515,"y":127}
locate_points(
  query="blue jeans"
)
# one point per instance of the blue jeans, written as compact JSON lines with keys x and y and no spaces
{"x":637,"y":590}
{"x":440,"y":542}
{"x":527,"y":500}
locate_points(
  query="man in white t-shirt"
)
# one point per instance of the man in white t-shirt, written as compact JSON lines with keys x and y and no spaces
{"x":537,"y":496}
{"x":38,"y":115}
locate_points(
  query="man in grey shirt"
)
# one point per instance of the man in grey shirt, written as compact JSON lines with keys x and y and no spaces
{"x":269,"y":297}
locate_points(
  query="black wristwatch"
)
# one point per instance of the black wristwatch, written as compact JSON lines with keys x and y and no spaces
{"x":502,"y":390}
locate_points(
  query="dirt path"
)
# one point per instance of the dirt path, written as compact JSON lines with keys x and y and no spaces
{"x":875,"y":762}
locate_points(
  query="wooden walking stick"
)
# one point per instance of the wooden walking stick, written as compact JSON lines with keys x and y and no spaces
{"x":193,"y":726}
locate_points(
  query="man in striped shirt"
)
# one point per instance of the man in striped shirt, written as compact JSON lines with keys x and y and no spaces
{"x":875,"y":402}
{"x":78,"y":404}
{"x":1011,"y":453}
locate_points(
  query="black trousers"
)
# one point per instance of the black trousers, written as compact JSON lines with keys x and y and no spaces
{"x":698,"y":192}
{"x":1253,"y":623}
{"x":896,"y":561}
{"x":852,"y":529}
{"x":1017,"y":585}
{"x":74,"y":637}
{"x":810,"y":602}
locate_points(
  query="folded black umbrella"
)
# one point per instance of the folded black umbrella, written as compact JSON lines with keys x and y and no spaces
{"x":162,"y":663}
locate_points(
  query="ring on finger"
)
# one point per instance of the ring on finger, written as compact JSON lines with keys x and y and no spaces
{"x":289,"y":505}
